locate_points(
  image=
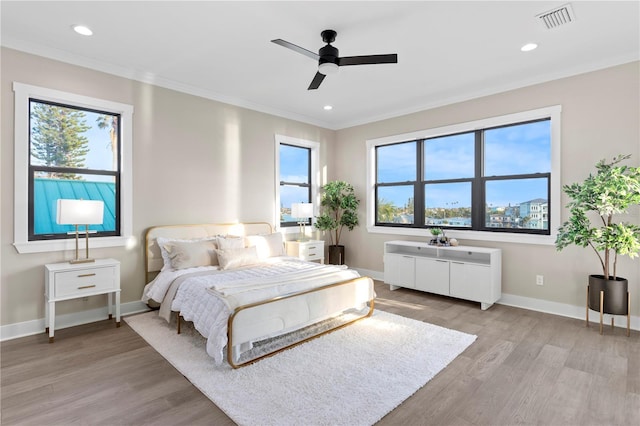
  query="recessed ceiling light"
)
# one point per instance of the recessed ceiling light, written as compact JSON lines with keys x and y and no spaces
{"x":81,"y":29}
{"x":528,"y":47}
{"x":328,"y":107}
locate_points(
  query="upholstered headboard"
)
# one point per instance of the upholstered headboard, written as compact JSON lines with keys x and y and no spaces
{"x":153,"y":258}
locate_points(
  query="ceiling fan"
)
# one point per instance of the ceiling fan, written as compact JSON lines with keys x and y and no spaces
{"x":328,"y":59}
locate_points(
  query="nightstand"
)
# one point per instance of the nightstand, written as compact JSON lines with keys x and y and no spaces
{"x":310,"y":250}
{"x":65,"y":281}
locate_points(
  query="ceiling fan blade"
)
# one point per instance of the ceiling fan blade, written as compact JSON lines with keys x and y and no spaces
{"x":295,"y":48}
{"x":368,"y":60}
{"x":315,"y":83}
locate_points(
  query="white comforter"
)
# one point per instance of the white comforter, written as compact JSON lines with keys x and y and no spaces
{"x":208,"y":300}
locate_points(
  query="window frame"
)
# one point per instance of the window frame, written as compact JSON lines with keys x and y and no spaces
{"x":23,"y":93}
{"x":314,"y":177}
{"x":505,"y":235}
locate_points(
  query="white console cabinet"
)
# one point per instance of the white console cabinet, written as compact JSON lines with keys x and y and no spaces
{"x":471,"y":273}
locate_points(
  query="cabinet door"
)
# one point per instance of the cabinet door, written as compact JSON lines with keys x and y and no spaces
{"x":432,"y":275}
{"x":471,"y":282}
{"x":399,"y":270}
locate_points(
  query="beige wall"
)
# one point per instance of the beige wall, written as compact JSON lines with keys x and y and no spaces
{"x":197,"y":160}
{"x":600,"y":119}
{"x":194,"y":160}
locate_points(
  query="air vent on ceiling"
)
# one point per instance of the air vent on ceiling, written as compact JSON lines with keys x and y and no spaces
{"x":559,"y":16}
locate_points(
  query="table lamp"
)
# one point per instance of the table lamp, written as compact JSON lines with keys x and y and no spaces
{"x":302,"y":211}
{"x":80,"y":212}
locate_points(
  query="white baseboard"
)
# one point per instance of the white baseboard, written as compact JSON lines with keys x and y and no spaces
{"x":540,"y":305}
{"x":28,"y":328}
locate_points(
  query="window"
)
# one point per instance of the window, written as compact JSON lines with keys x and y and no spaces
{"x":491,"y":179}
{"x":73,"y":154}
{"x":75,"y":147}
{"x":296,"y":176}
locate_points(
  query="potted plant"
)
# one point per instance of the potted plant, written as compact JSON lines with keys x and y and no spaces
{"x":436,"y":235}
{"x":611,"y":191}
{"x":340,"y":209}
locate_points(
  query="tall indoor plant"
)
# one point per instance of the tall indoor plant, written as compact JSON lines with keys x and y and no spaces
{"x":339,"y":209}
{"x":611,"y":191}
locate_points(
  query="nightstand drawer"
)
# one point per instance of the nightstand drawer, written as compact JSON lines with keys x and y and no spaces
{"x":84,"y":281}
{"x":311,"y":251}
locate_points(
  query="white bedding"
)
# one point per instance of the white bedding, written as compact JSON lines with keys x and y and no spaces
{"x":208,"y":300}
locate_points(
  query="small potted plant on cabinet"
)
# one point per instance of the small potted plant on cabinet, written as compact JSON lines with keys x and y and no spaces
{"x":611,"y":191}
{"x":436,"y":232}
{"x":340,"y":209}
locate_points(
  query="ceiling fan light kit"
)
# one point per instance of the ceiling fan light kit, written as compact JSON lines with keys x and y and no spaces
{"x":329,"y":61}
{"x":328,"y":68}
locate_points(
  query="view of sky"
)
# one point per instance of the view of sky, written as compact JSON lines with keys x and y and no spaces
{"x":519,"y":149}
{"x":294,"y":167}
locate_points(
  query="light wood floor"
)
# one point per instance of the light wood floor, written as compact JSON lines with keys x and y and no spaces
{"x":524,"y":368}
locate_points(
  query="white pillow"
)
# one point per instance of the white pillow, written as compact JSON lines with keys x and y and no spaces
{"x":225,"y":243}
{"x":162,"y":241}
{"x":190,"y":254}
{"x":267,"y":245}
{"x":237,"y":257}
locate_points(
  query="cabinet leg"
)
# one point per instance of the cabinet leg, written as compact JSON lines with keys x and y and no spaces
{"x":117,"y":303}
{"x":51,"y":312}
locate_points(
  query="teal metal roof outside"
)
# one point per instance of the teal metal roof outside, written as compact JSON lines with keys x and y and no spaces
{"x":48,"y":191}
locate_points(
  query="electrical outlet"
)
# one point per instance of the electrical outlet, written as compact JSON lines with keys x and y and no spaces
{"x":539,"y":280}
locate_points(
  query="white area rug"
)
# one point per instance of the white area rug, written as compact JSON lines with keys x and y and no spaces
{"x":353,"y":376}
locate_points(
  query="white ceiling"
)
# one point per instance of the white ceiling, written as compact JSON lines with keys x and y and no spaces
{"x":448,"y":51}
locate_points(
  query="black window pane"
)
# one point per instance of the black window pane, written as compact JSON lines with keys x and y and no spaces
{"x":396,"y":163}
{"x":63,"y":136}
{"x":519,"y":149}
{"x":294,"y":164}
{"x":290,"y":194}
{"x":517,"y":204}
{"x":449,"y":157}
{"x":395,"y":204}
{"x":47,"y":191}
{"x":295,"y":179}
{"x":448,"y":204}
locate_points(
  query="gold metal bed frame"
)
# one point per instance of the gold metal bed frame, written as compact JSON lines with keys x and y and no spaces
{"x":153,"y":264}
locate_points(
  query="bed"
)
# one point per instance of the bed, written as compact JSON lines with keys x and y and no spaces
{"x":237,"y":286}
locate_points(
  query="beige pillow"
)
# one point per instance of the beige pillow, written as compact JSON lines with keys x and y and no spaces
{"x":237,"y":257}
{"x":190,"y":254}
{"x":225,"y":243}
{"x":267,"y":245}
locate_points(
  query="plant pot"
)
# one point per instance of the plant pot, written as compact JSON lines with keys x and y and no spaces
{"x":336,"y":255}
{"x":615,"y":294}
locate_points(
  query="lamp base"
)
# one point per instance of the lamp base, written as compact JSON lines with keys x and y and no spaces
{"x":74,"y":261}
{"x":303,"y":232}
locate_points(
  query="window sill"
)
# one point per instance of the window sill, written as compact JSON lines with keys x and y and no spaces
{"x":70,"y":244}
{"x":469,"y":235}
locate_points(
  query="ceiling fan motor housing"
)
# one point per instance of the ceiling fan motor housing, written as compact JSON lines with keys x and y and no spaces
{"x":328,"y":53}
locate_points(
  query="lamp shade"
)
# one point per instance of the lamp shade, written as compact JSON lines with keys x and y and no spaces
{"x":79,"y":212}
{"x":302,"y":210}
